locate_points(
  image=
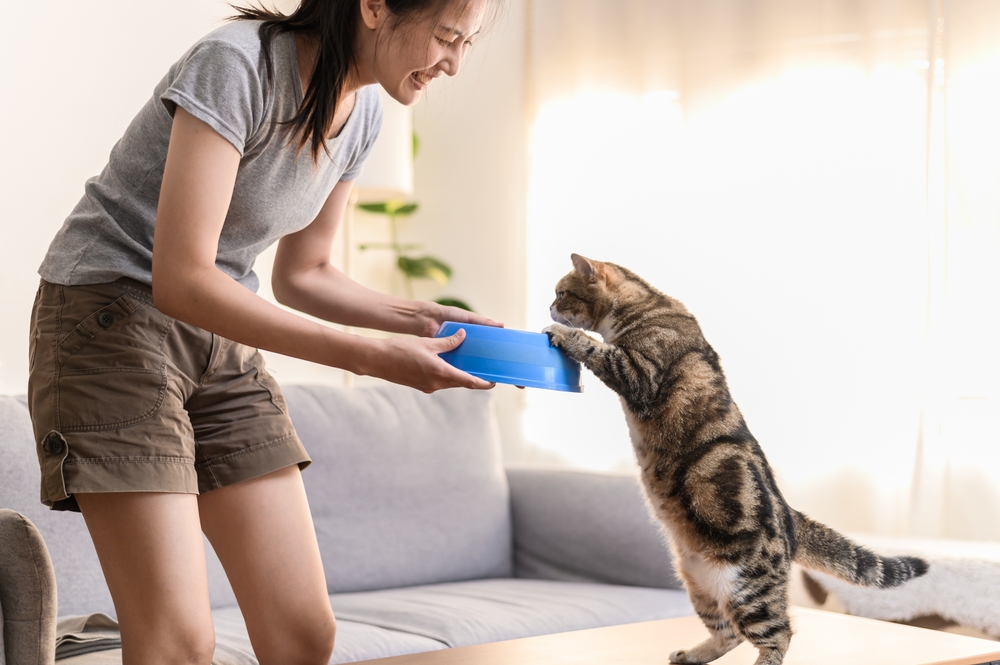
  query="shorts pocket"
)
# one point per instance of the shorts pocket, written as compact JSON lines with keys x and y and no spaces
{"x":111,"y":366}
{"x":108,"y":319}
{"x":109,"y":398}
{"x":267,"y":382}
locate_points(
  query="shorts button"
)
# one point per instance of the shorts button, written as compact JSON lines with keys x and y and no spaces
{"x":55,"y":444}
{"x":106,"y":319}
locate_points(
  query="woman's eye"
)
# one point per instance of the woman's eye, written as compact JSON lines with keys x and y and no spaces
{"x":449,"y":44}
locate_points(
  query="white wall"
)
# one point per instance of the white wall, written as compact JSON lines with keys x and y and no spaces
{"x":75,"y":74}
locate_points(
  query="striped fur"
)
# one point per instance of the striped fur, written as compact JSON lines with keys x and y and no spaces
{"x":707,"y":481}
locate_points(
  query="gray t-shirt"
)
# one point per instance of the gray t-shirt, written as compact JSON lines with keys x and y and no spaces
{"x":222,"y":81}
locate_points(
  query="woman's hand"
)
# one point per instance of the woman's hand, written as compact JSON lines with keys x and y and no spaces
{"x":414,"y":362}
{"x":432,"y":315}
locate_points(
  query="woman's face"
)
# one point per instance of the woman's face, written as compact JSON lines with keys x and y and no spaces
{"x":409,"y":56}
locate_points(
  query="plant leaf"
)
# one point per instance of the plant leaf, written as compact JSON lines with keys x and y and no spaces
{"x":398,"y":208}
{"x":448,"y":301}
{"x":425,"y":267}
{"x":404,"y":209}
{"x":379,"y":208}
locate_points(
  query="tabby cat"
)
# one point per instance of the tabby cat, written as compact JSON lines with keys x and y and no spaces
{"x":732,"y":534}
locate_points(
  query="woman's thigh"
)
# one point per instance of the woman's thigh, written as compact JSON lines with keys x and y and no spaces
{"x":263,"y":532}
{"x":153,"y":557}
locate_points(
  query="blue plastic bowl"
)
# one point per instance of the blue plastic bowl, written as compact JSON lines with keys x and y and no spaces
{"x":516,"y":357}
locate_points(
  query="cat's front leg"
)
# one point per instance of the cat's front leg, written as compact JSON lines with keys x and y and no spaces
{"x":606,"y":361}
{"x":575,"y":343}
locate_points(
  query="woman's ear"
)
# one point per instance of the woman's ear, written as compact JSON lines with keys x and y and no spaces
{"x":373,"y":13}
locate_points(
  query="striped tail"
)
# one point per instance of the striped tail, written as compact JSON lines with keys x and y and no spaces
{"x":823,"y":549}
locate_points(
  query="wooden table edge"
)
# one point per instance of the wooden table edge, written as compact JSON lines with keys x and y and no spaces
{"x":685,"y":632}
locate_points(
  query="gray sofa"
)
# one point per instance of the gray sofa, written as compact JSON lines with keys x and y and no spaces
{"x":428,"y":541}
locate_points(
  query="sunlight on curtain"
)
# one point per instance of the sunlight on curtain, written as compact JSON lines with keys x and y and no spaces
{"x":956,"y":487}
{"x":769,"y":169}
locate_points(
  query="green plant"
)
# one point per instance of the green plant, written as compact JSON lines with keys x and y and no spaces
{"x":412,"y":267}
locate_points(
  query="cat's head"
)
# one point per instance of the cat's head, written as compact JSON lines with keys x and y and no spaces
{"x":585,"y":295}
{"x":593,"y":293}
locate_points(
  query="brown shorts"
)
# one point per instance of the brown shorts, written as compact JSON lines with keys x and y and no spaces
{"x":126,"y":399}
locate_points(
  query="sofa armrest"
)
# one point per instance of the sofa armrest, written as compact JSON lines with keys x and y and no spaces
{"x":27,"y":593}
{"x":586,"y":527}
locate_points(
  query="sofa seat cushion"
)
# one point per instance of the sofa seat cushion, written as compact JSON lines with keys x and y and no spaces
{"x":393,"y":622}
{"x":464,"y":613}
{"x":355,"y":641}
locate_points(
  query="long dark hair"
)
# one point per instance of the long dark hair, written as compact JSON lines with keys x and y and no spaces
{"x":334,"y":24}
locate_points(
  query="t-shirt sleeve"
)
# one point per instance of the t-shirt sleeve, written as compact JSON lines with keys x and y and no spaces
{"x":220,"y":85}
{"x":373,"y":125}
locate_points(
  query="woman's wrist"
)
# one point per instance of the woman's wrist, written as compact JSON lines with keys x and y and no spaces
{"x":354,"y":353}
{"x":416,"y":317}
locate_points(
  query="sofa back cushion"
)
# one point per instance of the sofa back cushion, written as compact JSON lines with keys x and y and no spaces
{"x":405,"y":488}
{"x":578,"y":526}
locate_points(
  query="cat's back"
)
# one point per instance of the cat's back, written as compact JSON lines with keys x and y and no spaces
{"x":705,"y":474}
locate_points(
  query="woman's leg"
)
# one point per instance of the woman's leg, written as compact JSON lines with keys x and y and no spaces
{"x":151,"y":551}
{"x":263,"y":532}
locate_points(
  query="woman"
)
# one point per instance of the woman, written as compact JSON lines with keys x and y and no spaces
{"x":160,"y":422}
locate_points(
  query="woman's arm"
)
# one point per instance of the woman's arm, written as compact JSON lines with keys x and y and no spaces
{"x":198,"y":181}
{"x":304,"y":279}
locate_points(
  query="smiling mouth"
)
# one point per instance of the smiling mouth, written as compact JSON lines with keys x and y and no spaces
{"x":422,"y":78}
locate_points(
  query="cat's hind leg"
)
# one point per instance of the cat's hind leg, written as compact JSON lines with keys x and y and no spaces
{"x":764,"y":622}
{"x":723,"y":640}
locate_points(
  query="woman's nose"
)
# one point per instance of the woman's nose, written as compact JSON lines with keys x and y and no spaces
{"x":452,"y":62}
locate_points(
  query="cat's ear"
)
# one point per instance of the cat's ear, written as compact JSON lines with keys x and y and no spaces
{"x":585,"y":267}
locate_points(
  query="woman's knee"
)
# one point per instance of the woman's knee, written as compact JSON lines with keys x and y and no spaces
{"x":307,"y":642}
{"x":324,"y":641}
{"x":316,"y":642}
{"x":194,"y":648}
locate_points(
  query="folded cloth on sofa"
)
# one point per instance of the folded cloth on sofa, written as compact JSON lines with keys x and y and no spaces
{"x":77,"y":635}
{"x":91,"y":633}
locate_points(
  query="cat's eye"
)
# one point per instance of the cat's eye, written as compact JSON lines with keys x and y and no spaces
{"x":560,"y":294}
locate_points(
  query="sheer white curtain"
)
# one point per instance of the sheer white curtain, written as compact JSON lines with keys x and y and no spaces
{"x":819,"y":181}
